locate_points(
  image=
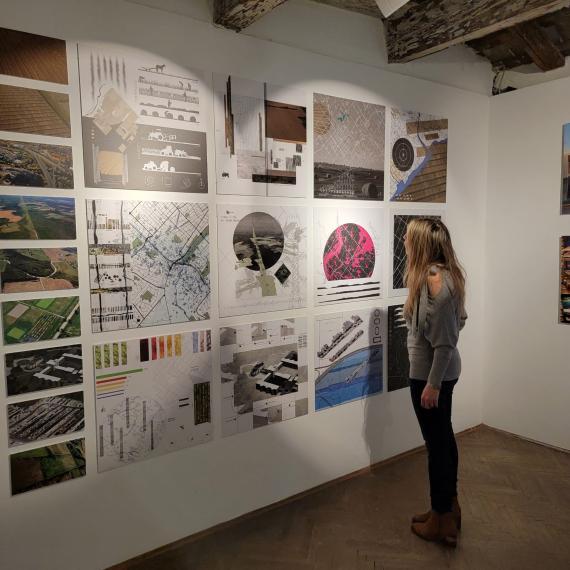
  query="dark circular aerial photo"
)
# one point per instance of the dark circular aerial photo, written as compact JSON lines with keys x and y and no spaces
{"x":259,"y":240}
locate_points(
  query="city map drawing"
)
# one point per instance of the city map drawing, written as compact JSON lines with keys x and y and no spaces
{"x":398,"y":362}
{"x":261,"y":138}
{"x":418,"y":167}
{"x":349,"y":356}
{"x":400,"y":221}
{"x":348,"y":254}
{"x":148,"y":263}
{"x":348,"y":148}
{"x":152,"y":396}
{"x":262,"y":257}
{"x":143,"y":122}
{"x":264,"y":374}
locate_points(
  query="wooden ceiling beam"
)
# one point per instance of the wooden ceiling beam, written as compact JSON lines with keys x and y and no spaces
{"x":239,"y":14}
{"x":539,"y":47}
{"x":422,"y":27}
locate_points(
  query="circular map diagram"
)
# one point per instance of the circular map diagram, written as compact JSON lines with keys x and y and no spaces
{"x":403,"y":154}
{"x":258,"y":241}
{"x":349,"y":254}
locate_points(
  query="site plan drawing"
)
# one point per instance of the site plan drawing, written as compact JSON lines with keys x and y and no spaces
{"x":264,"y":374}
{"x":148,"y":263}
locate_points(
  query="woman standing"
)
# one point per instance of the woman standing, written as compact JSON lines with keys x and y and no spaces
{"x":435,"y":314}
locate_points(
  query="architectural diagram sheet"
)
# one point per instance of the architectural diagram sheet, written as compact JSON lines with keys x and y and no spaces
{"x":399,"y":223}
{"x":264,"y":374}
{"x":261,"y":138}
{"x":152,"y":396}
{"x":349,"y":356}
{"x":418,"y":169}
{"x":262,"y":259}
{"x":143,"y":121}
{"x":348,"y":148}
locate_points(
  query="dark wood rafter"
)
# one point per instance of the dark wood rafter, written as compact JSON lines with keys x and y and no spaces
{"x":239,"y":14}
{"x":539,"y":47}
{"x":366,"y":7}
{"x":422,"y":27}
{"x":506,"y":50}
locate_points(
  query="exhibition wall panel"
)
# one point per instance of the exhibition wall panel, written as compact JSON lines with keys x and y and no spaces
{"x":526,"y":347}
{"x":110,"y":514}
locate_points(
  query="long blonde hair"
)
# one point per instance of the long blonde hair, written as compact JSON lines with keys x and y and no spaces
{"x":428,"y":243}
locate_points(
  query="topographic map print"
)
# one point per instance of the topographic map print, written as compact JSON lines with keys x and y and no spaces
{"x":349,"y":253}
{"x":149,"y":263}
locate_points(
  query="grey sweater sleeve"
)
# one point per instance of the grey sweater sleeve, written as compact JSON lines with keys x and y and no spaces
{"x":442,"y":333}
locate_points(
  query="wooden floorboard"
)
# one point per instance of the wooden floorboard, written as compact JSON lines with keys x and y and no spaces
{"x":515,"y":497}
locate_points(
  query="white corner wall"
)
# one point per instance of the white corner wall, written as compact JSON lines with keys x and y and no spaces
{"x":527,"y":373}
{"x":102,"y":519}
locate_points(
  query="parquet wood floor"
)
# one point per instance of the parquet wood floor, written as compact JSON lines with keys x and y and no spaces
{"x":515,"y":497}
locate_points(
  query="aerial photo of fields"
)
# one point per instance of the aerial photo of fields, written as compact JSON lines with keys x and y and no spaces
{"x":47,"y":465}
{"x":40,"y":319}
{"x":42,"y":269}
{"x":37,"y":217}
{"x":33,"y":164}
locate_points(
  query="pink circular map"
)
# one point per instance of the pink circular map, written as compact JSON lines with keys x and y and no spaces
{"x":349,"y":254}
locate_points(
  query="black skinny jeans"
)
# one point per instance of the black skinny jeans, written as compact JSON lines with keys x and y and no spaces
{"x":437,"y":431}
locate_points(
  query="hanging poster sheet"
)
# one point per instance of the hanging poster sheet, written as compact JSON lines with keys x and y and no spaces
{"x":152,"y":396}
{"x":43,"y":369}
{"x":418,"y":169}
{"x":398,"y":225}
{"x":262,"y":259}
{"x":35,"y":165}
{"x":564,"y":315}
{"x":43,"y":418}
{"x":349,"y":356}
{"x":48,"y":465}
{"x":261,"y":138}
{"x":143,"y":121}
{"x":41,"y":269}
{"x":32,"y":320}
{"x":398,"y":361}
{"x":49,"y":56}
{"x":264,"y":374}
{"x":565,"y":191}
{"x":148,"y":263}
{"x":348,"y":254}
{"x":37,"y":217}
{"x":348,"y":148}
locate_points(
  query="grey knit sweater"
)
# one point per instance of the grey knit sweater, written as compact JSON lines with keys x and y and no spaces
{"x":433,"y":332}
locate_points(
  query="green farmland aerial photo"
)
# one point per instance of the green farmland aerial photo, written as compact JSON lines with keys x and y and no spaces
{"x":40,"y":319}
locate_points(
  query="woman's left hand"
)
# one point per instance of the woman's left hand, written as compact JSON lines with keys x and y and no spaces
{"x":430,"y":396}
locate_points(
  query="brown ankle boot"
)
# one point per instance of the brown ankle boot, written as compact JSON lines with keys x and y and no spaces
{"x":441,"y":528}
{"x":422,"y":518}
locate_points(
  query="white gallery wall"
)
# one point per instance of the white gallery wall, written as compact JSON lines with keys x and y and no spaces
{"x":102,"y":519}
{"x":527,"y":387}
